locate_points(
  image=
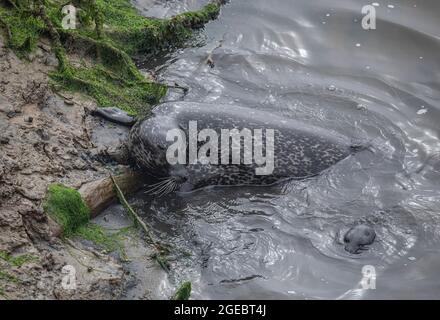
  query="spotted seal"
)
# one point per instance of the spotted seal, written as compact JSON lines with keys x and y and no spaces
{"x":299,"y":150}
{"x":358,"y":237}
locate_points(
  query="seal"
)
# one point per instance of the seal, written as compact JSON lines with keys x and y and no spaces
{"x":299,"y":150}
{"x":358,"y":237}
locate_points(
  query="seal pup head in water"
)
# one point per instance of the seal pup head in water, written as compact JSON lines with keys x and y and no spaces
{"x":288,"y":148}
{"x":358,"y":237}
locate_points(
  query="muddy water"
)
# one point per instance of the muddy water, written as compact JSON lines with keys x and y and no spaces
{"x":312,"y":61}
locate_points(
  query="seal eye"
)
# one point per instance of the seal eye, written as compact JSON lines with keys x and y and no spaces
{"x":346,"y":240}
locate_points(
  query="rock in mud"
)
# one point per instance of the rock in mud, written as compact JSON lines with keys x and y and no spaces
{"x":4,"y":140}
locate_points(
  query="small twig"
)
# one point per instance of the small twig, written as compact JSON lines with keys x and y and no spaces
{"x":138,"y":221}
{"x":133,"y":214}
{"x":178,"y":86}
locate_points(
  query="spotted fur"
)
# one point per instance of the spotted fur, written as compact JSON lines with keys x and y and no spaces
{"x":301,"y":150}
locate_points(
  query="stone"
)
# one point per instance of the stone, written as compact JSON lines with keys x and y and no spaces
{"x":4,"y":140}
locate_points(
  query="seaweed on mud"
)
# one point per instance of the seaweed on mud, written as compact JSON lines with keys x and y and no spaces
{"x":183,"y":292}
{"x":22,"y":30}
{"x":17,"y":261}
{"x":8,"y":261}
{"x":111,"y":31}
{"x":106,"y":239}
{"x":67,"y":208}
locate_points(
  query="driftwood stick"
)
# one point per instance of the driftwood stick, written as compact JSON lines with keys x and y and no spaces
{"x":133,"y":214}
{"x":99,"y":194}
{"x":159,"y":255}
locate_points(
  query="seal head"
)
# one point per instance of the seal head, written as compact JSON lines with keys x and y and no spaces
{"x":358,"y":237}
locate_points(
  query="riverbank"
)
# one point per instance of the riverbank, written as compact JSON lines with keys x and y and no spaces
{"x":52,"y":79}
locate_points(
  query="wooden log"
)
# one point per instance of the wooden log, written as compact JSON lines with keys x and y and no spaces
{"x":98,"y":195}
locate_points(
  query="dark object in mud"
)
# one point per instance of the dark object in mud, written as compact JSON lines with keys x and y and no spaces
{"x":357,"y":237}
{"x":115,"y":115}
{"x":4,"y":140}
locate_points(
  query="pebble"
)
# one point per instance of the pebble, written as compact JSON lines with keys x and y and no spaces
{"x":69,"y":102}
{"x":412,"y":258}
{"x":11,"y":114}
{"x":4,"y":140}
{"x":43,"y":134}
{"x":51,"y":61}
{"x":361,"y":107}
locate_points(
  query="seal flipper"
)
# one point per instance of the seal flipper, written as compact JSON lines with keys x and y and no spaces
{"x":115,"y":115}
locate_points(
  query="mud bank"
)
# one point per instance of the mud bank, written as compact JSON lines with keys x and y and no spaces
{"x":48,"y":136}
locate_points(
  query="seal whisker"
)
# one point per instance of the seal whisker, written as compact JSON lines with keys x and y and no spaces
{"x":167,"y":185}
{"x":172,"y":186}
{"x":157,"y":186}
{"x":164,"y":190}
{"x":168,"y":188}
{"x":161,"y":189}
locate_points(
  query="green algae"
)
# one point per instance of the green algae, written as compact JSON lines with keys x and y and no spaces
{"x":112,"y":31}
{"x":183,"y":292}
{"x":17,"y":261}
{"x":66,"y":207}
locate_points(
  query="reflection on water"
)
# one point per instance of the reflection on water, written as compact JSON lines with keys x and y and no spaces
{"x":312,"y":61}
